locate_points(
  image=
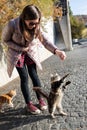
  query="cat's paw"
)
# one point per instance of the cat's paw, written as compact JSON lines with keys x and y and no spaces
{"x":11,"y":105}
{"x":63,"y":114}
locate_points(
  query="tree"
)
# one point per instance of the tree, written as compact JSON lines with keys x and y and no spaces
{"x":84,"y":33}
{"x":76,"y":26}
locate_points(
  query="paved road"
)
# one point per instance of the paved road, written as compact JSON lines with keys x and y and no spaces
{"x":74,"y":101}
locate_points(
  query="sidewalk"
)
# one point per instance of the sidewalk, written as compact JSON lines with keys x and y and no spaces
{"x":74,"y":101}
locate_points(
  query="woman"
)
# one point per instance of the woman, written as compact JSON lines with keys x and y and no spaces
{"x":21,"y":36}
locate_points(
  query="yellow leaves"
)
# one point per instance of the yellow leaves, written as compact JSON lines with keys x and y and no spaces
{"x":12,"y":8}
{"x":57,"y":12}
{"x":84,"y":33}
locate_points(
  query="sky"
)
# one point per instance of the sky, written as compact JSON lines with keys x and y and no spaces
{"x":78,"y":7}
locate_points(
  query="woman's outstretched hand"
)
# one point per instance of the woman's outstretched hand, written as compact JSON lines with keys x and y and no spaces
{"x":61,"y":54}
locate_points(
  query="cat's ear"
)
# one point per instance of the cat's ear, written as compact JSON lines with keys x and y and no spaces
{"x":51,"y":75}
{"x":15,"y":91}
{"x":56,"y":74}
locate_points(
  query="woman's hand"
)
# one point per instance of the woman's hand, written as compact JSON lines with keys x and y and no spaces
{"x":61,"y":54}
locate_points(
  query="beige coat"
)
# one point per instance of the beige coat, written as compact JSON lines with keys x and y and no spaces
{"x":14,"y":40}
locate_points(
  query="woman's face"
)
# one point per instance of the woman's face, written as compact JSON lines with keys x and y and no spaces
{"x":32,"y":23}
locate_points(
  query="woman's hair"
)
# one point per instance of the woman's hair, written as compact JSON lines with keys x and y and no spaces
{"x":30,"y":12}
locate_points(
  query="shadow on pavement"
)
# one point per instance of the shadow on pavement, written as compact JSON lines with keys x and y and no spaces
{"x":15,"y":118}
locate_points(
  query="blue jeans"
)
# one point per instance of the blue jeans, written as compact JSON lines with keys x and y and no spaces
{"x":23,"y":73}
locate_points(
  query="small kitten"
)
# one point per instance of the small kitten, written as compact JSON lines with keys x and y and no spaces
{"x":7,"y":98}
{"x":55,"y":96}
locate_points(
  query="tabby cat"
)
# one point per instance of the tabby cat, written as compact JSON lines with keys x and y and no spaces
{"x":54,"y":98}
{"x":7,"y":98}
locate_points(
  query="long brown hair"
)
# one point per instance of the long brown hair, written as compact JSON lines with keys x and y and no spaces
{"x":30,"y":12}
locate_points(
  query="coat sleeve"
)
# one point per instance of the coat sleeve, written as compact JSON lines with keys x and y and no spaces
{"x":7,"y":36}
{"x":47,"y":44}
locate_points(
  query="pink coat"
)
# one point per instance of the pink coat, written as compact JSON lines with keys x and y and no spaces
{"x":14,"y":40}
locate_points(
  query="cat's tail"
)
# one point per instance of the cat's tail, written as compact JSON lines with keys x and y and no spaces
{"x":38,"y":89}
